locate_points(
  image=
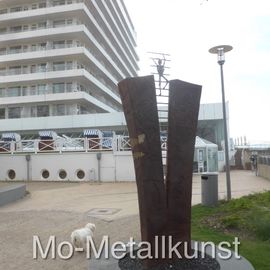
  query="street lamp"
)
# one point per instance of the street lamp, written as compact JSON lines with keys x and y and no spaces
{"x":220,"y":51}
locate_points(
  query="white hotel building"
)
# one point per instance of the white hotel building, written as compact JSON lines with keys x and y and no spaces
{"x":60,"y":62}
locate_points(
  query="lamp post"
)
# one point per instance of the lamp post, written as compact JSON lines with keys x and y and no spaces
{"x":220,"y":51}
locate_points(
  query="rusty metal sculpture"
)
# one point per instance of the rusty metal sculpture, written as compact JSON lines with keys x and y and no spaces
{"x":164,"y":204}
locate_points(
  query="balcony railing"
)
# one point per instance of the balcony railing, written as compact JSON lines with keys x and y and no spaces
{"x":17,"y":72}
{"x":100,"y":39}
{"x":30,"y":29}
{"x":51,"y":47}
{"x":35,"y":6}
{"x":41,"y":48}
{"x":66,"y":144}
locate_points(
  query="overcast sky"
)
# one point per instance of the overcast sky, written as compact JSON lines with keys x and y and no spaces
{"x":186,"y":29}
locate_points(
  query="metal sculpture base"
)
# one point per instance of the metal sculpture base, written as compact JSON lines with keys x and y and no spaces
{"x":230,"y":264}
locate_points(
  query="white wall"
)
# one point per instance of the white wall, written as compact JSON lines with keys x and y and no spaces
{"x":113,"y":166}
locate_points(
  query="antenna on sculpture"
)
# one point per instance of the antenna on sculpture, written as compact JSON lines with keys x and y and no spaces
{"x":160,"y":69}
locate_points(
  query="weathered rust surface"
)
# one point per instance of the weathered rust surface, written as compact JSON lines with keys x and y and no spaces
{"x":139,"y":103}
{"x":184,"y":103}
{"x":164,"y":209}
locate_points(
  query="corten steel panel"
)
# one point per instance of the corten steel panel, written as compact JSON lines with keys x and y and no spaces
{"x":140,"y":108}
{"x":184,"y":102}
{"x":164,"y":209}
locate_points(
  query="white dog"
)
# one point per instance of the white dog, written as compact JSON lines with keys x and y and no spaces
{"x":79,"y":236}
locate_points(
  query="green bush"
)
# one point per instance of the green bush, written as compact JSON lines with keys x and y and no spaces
{"x":249,"y":214}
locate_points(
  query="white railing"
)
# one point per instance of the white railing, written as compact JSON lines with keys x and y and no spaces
{"x":29,"y":29}
{"x":67,"y":144}
{"x":37,"y":6}
{"x":123,"y":143}
{"x":58,"y":145}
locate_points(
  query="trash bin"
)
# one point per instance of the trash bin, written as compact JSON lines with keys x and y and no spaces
{"x":209,"y":189}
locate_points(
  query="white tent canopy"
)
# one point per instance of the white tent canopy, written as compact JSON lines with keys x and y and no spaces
{"x":200,"y":142}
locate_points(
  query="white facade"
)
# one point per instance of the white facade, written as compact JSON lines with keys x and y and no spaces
{"x":84,"y":159}
{"x":61,"y":60}
{"x":68,"y":167}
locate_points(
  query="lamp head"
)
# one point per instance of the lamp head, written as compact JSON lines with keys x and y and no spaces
{"x":220,"y":52}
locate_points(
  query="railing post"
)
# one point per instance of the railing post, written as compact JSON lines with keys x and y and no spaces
{"x":36,"y":144}
{"x":86,"y":144}
{"x":12,"y":147}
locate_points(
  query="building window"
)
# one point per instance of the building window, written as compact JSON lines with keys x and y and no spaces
{"x":2,"y":92}
{"x":24,"y":91}
{"x":42,"y":25}
{"x":15,"y":29}
{"x":3,"y":51}
{"x":69,"y":65}
{"x":69,"y":87}
{"x":15,"y":70}
{"x":60,"y":109}
{"x":15,"y":49}
{"x":33,"y":27}
{"x":41,"y":89}
{"x":33,"y":68}
{"x":69,"y":21}
{"x":59,"y":44}
{"x":80,"y":66}
{"x":34,"y":6}
{"x":83,"y":110}
{"x":59,"y":23}
{"x":69,"y":43}
{"x":33,"y":111}
{"x":14,"y":91}
{"x":58,"y":2}
{"x":58,"y":88}
{"x":42,"y":67}
{"x":82,"y":88}
{"x":25,"y":48}
{"x":15,"y":9}
{"x":2,"y":113}
{"x":42,"y":46}
{"x":2,"y":71}
{"x":14,"y":112}
{"x":58,"y":66}
{"x":25,"y":70}
{"x":3,"y":30}
{"x":25,"y":27}
{"x":43,"y":110}
{"x":3,"y":11}
{"x":78,"y":44}
{"x":42,"y":5}
{"x":34,"y":47}
{"x":33,"y":90}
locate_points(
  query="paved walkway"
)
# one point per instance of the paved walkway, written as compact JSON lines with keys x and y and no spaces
{"x":122,"y":197}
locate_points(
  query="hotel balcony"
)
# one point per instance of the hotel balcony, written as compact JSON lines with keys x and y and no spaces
{"x":80,"y":75}
{"x":59,"y":97}
{"x":80,"y":11}
{"x":49,"y":53}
